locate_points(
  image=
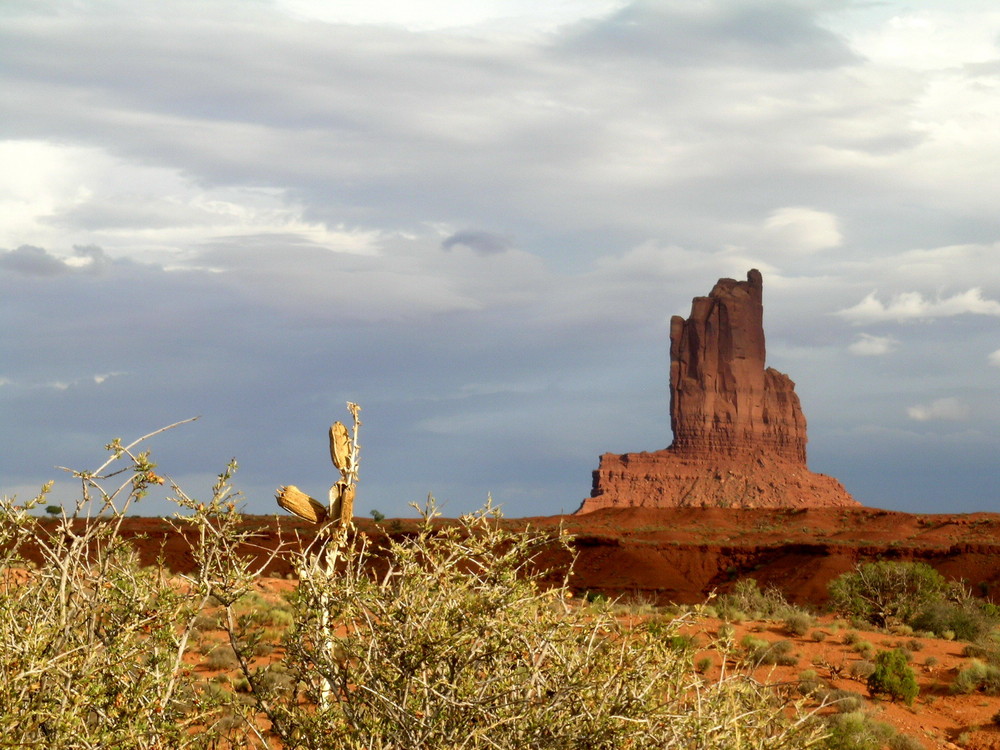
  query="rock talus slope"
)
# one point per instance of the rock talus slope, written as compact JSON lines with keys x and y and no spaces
{"x":739,"y":431}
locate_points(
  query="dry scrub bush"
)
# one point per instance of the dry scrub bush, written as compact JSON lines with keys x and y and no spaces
{"x":886,"y":592}
{"x":447,"y":637}
{"x":91,"y":643}
{"x":747,"y":599}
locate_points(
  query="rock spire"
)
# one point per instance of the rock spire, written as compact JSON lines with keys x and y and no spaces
{"x":722,"y":398}
{"x":739,"y":430}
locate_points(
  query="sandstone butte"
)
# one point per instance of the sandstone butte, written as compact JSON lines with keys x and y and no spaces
{"x":739,"y":430}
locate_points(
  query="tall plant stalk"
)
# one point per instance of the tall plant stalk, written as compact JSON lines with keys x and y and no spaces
{"x":318,"y":564}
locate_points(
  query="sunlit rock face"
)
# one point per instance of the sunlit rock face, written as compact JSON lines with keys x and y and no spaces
{"x":739,"y":431}
{"x":723,"y":400}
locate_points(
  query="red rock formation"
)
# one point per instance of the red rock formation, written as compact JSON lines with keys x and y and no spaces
{"x":722,"y":399}
{"x":739,"y":431}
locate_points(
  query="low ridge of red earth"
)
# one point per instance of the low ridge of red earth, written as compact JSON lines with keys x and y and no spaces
{"x":739,"y":431}
{"x":682,"y":554}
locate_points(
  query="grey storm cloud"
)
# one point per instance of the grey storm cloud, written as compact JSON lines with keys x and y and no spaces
{"x":484,"y":243}
{"x":765,"y":34}
{"x":32,"y":261}
{"x":36,"y":261}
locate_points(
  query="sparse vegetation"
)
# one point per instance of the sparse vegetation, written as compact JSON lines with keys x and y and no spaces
{"x":978,"y":677}
{"x":855,"y":730}
{"x":747,"y":600}
{"x":964,"y":617}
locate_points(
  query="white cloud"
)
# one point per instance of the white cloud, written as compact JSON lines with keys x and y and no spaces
{"x":928,"y":38}
{"x":444,"y":14}
{"x":867,"y":345}
{"x":59,"y":195}
{"x":801,"y":229}
{"x":949,"y":409}
{"x":908,"y":306}
{"x":994,"y":358}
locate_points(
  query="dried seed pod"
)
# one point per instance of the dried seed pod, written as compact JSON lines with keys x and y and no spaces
{"x":340,"y":446}
{"x":347,"y":505}
{"x":335,"y":504}
{"x":294,"y":500}
{"x":342,"y":502}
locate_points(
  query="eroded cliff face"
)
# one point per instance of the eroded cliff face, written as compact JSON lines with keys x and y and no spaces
{"x":739,"y":431}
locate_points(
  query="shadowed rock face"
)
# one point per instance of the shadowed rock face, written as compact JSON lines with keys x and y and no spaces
{"x":739,"y":430}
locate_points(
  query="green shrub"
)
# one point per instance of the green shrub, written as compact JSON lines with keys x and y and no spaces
{"x":725,"y":633}
{"x":222,"y":658}
{"x":893,"y":677}
{"x":681,"y":641}
{"x":761,"y":651}
{"x":865,"y":648}
{"x":986,"y":648}
{"x":885,"y":593}
{"x":809,"y":682}
{"x":450,"y":636}
{"x":206,"y":621}
{"x":846,"y":701}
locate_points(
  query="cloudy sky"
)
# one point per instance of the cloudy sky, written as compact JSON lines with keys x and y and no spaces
{"x":475,"y":218}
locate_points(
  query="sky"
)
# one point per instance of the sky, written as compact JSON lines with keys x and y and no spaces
{"x":475,"y":218}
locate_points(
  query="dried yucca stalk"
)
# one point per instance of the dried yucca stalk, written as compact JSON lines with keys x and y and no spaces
{"x":294,"y":500}
{"x":344,"y":453}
